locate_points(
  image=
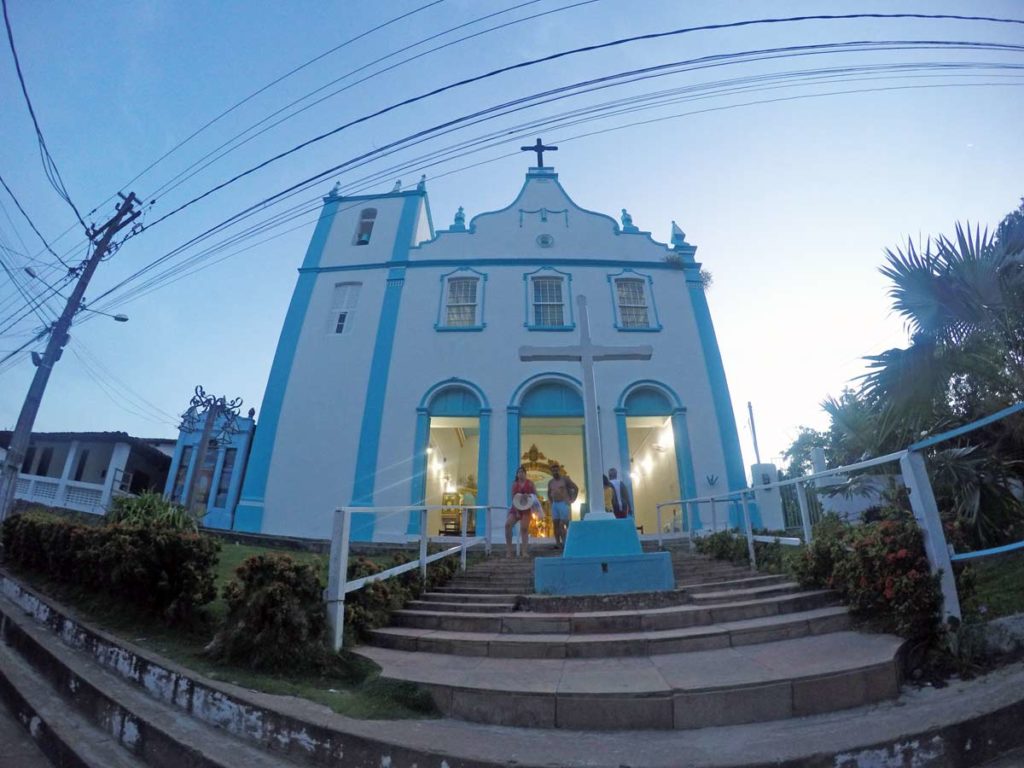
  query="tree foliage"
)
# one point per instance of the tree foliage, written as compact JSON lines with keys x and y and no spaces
{"x":962,"y":300}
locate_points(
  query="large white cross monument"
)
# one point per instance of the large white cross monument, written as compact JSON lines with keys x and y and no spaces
{"x":586,"y":353}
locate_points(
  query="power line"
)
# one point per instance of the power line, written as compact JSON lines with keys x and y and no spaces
{"x":276,"y":81}
{"x":49,"y":166}
{"x":503,"y":135}
{"x":595,"y":83}
{"x":188,"y":172}
{"x":564,"y":54}
{"x":31,"y":224}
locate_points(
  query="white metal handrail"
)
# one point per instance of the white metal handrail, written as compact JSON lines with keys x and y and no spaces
{"x":338,"y":585}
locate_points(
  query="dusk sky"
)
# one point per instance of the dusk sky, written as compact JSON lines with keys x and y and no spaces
{"x":790,"y":200}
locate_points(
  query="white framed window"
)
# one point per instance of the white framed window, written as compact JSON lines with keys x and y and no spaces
{"x":548,"y":302}
{"x":367,"y":218}
{"x":343,"y":305}
{"x":631,"y":301}
{"x":462,"y":301}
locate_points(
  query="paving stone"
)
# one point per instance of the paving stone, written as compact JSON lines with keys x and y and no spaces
{"x":522,"y":710}
{"x":815,"y":695}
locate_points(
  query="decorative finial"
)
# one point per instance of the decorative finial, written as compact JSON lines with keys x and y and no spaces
{"x":678,"y":236}
{"x":422,"y":186}
{"x":627,"y":222}
{"x":460,"y":221}
{"x":397,"y":187}
{"x":335,"y":190}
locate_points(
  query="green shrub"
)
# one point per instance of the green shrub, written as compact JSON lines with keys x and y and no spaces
{"x":371,"y":607}
{"x":153,"y":569}
{"x":151,"y":509}
{"x":731,"y":546}
{"x":881,"y":571}
{"x":276,"y":618}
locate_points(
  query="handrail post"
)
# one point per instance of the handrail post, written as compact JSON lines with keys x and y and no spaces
{"x":926,"y":511}
{"x":688,"y":522}
{"x":748,"y":530}
{"x":337,"y":575}
{"x":423,"y":545}
{"x":805,"y":512}
{"x":487,"y":531}
{"x":462,"y":554}
{"x":657,"y":509}
{"x":714,"y":517}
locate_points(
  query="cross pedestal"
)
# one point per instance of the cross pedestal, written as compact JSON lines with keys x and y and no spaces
{"x":602,"y":553}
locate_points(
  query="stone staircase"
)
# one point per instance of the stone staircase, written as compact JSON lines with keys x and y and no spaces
{"x":727,"y":647}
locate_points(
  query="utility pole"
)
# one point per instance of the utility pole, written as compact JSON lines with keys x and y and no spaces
{"x":102,"y":239}
{"x":753,"y":431}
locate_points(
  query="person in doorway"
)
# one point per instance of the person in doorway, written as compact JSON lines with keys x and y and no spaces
{"x":561,"y":493}
{"x":524,"y":496}
{"x":621,"y":493}
{"x":611,"y":503}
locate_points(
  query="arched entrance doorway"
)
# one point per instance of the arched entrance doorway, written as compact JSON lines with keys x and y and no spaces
{"x":654,"y":446}
{"x":545,"y":419}
{"x":450,"y":467}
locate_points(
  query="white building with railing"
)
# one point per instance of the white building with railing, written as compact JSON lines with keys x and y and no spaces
{"x":83,"y":471}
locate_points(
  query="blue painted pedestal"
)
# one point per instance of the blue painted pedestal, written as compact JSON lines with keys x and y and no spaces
{"x":603,"y":557}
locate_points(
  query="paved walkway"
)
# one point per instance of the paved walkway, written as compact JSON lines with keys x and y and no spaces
{"x":16,"y":746}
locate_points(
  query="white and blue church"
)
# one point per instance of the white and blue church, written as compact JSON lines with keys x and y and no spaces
{"x":397,"y":379}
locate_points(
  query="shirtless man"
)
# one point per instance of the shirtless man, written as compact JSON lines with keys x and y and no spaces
{"x":560,"y":491}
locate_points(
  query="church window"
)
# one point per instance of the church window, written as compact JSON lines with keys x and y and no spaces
{"x":632,"y":301}
{"x":461,"y":304}
{"x":548,"y":302}
{"x":182,"y":473}
{"x":366,"y":221}
{"x":343,"y":304}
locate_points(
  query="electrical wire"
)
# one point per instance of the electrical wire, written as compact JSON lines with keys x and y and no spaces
{"x":557,"y":56}
{"x":504,"y":137}
{"x":49,"y":166}
{"x":31,"y":224}
{"x":274,"y":82}
{"x":199,"y":165}
{"x":517,"y":104}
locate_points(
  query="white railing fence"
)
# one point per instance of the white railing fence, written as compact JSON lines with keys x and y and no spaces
{"x":922,"y":503}
{"x":338,"y":585}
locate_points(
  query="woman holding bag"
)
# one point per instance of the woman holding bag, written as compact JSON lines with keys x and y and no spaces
{"x":524,"y":498}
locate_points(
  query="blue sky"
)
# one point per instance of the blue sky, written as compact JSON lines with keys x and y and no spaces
{"x":790,"y":203}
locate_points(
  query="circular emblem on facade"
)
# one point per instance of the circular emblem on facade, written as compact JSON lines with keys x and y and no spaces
{"x":545,"y":241}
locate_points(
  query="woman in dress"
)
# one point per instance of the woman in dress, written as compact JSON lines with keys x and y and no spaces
{"x":524,"y":495}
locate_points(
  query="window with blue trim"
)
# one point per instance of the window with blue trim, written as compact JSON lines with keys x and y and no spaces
{"x":548,"y":301}
{"x":343,"y":304}
{"x":462,"y":310}
{"x":631,"y":300}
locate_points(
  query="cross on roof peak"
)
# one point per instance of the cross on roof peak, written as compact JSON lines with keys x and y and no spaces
{"x":540,"y":149}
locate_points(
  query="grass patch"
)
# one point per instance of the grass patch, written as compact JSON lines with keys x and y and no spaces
{"x":351,"y":686}
{"x":999,"y":585}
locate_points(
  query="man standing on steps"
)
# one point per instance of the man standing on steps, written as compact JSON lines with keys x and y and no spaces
{"x":561,"y":492}
{"x":621,"y":493}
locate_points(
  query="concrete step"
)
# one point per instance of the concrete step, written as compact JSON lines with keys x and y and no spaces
{"x":467,"y":597}
{"x":142,"y":726}
{"x":744,"y":593}
{"x":727,"y":686}
{"x":482,"y":590}
{"x":740,"y":583}
{"x":568,"y":645}
{"x":456,"y":607}
{"x":64,"y":736}
{"x":604,"y":622}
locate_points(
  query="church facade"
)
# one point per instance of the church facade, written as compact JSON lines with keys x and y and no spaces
{"x":398,"y":381}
